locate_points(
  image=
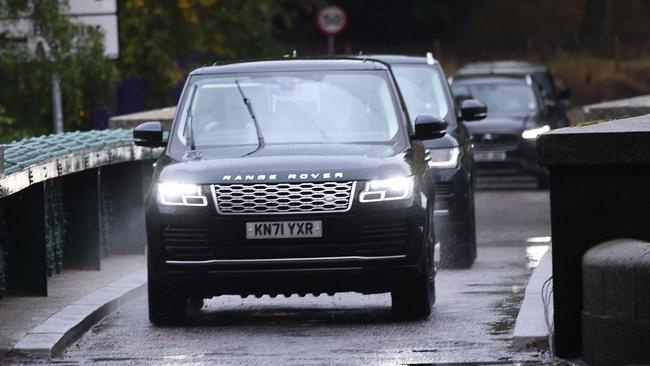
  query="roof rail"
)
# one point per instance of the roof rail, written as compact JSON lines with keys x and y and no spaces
{"x":430,"y":59}
{"x":293,"y":54}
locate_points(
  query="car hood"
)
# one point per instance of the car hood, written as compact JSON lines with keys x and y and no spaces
{"x":289,"y":163}
{"x":499,"y":124}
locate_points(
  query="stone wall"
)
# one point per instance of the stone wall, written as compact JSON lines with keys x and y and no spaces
{"x":618,"y":109}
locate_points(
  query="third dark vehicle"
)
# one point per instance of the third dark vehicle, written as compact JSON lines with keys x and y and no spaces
{"x":291,"y":176}
{"x":518,"y":113}
{"x":425,"y":90}
{"x":556,"y":97}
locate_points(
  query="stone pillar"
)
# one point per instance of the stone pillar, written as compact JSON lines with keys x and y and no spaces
{"x":600,"y":179}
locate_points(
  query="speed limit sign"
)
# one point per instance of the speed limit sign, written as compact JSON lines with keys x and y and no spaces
{"x":331,"y":20}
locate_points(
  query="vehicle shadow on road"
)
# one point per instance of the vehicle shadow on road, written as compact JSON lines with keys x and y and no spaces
{"x":296,"y":316}
{"x":217,"y":314}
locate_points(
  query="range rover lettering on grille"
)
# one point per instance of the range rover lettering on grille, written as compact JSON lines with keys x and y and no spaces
{"x":292,"y":176}
{"x":283,"y":198}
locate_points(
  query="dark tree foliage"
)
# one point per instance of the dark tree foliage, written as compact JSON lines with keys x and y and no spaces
{"x":384,"y":25}
{"x":594,"y":32}
{"x":163,"y":40}
{"x":391,"y":20}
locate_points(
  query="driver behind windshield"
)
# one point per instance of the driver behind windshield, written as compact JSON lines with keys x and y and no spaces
{"x":299,"y":108}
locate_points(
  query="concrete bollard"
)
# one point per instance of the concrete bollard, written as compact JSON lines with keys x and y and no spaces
{"x":616,"y":303}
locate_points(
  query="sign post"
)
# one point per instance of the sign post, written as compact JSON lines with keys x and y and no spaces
{"x":331,"y":21}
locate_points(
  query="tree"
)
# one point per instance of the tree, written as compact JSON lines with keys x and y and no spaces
{"x":594,"y":32}
{"x":162,"y":40}
{"x":5,"y":123}
{"x":73,"y":50}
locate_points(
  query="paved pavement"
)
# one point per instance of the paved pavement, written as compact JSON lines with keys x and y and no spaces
{"x":471,"y":323}
{"x":21,"y":314}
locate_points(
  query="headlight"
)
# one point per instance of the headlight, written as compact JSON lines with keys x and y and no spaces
{"x":387,"y":190}
{"x":176,"y":194}
{"x":533,"y":133}
{"x":443,"y":158}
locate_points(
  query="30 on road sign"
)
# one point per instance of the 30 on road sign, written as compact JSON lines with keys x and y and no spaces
{"x":331,"y":20}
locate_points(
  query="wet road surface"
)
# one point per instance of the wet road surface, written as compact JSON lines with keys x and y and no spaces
{"x":471,"y":323}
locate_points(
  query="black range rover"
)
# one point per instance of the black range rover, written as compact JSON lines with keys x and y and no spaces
{"x":291,"y":176}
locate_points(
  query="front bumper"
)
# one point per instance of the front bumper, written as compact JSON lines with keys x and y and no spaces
{"x":520,"y":156}
{"x":452,"y":187}
{"x":369,"y":249}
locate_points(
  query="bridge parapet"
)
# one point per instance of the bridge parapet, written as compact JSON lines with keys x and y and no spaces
{"x":67,"y":200}
{"x":599,"y":180}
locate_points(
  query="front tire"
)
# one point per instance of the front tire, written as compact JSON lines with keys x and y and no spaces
{"x":543,"y":181}
{"x":165,"y":308}
{"x":413,"y":300}
{"x":458,"y":245}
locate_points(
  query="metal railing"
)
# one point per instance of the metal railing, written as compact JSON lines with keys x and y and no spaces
{"x":66,"y":201}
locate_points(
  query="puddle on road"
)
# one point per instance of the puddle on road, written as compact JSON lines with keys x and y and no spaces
{"x":534,"y":254}
{"x":508,"y":309}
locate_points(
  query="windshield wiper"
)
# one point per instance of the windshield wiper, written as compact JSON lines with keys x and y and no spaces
{"x":189,"y":131}
{"x":258,"y":130}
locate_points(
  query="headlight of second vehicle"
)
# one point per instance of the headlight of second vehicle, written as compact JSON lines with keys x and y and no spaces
{"x":387,"y":189}
{"x":444,"y":158}
{"x":534,"y":132}
{"x":178,"y":194}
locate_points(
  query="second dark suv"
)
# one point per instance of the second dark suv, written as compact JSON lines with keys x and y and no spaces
{"x":425,"y":90}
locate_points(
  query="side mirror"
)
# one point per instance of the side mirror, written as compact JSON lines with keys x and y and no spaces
{"x":148,"y":134}
{"x":460,"y":98}
{"x":550,"y":104}
{"x":429,"y":128}
{"x":472,"y":110}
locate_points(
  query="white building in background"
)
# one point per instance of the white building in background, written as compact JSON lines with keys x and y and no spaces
{"x":101,"y":14}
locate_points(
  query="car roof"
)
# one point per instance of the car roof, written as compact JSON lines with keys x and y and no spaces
{"x":510,"y":79}
{"x":500,"y":67}
{"x":399,"y":59}
{"x":292,"y":64}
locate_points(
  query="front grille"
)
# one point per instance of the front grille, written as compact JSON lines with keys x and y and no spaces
{"x":283,"y":198}
{"x":495,"y":141}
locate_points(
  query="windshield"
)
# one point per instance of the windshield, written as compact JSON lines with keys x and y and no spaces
{"x":289,"y":108}
{"x":500,"y":98}
{"x":423,"y":90}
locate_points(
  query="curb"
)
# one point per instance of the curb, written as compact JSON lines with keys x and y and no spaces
{"x":62,"y":328}
{"x":531,"y":326}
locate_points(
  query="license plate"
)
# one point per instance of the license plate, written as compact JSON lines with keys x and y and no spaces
{"x":490,"y":156}
{"x":284,"y":229}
